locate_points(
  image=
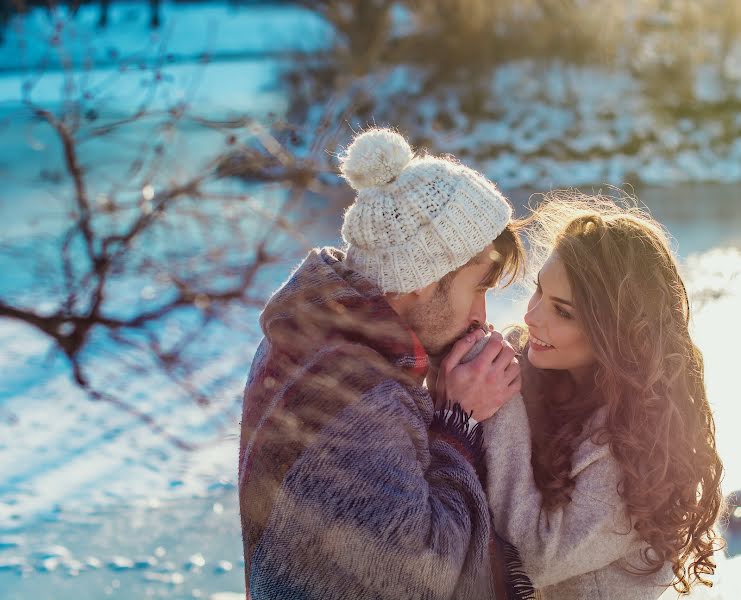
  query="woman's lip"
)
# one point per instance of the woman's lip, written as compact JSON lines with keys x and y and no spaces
{"x":538,"y":348}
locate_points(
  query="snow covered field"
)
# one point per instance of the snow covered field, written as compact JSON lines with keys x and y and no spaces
{"x":92,"y":503}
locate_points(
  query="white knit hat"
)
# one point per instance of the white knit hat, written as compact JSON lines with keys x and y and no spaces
{"x":415,"y":219}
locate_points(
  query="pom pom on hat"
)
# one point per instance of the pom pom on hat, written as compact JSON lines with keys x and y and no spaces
{"x":375,"y":157}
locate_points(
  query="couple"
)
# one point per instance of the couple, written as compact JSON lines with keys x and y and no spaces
{"x":394,"y":447}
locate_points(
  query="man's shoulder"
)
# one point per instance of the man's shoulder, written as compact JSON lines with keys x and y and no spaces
{"x":332,"y":362}
{"x":258,"y":360}
{"x":347,"y":362}
{"x":337,"y":376}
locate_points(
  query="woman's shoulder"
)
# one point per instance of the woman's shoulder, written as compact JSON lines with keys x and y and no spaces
{"x":591,"y":446}
{"x":596,"y":470}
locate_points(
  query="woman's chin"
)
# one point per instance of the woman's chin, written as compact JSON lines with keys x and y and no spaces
{"x":538,"y":360}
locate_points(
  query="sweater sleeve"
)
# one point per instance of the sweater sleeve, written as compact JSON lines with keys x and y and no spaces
{"x":587,"y":534}
{"x":377,"y":506}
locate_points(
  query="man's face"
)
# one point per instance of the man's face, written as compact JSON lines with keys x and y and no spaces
{"x":440,"y":317}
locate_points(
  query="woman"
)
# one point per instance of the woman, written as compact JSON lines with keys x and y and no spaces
{"x":605,"y":473}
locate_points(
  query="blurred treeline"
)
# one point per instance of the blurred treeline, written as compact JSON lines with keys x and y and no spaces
{"x":663,"y":43}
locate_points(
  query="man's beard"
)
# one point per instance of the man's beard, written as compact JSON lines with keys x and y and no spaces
{"x":428,"y":321}
{"x":437,"y":358}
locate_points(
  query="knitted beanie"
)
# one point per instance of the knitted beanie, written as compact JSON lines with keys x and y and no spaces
{"x":415,"y":219}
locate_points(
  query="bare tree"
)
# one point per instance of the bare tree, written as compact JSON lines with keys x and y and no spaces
{"x":159,"y":253}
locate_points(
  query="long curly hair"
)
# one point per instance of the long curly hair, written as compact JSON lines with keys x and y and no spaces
{"x":648,"y":374}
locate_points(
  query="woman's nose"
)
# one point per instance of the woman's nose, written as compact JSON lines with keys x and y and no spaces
{"x":531,"y":316}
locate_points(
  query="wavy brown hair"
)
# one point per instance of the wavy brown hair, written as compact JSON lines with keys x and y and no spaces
{"x":634,"y":308}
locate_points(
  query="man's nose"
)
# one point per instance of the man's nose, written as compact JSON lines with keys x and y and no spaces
{"x":477,"y":317}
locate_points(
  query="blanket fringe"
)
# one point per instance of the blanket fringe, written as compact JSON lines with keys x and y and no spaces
{"x":517,"y":584}
{"x":455,"y":421}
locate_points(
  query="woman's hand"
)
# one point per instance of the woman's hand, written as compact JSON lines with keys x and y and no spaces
{"x":482,"y":385}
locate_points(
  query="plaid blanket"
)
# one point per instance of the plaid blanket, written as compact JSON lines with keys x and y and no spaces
{"x":350,"y":485}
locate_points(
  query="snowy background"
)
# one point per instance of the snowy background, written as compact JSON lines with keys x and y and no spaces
{"x":93,"y":502}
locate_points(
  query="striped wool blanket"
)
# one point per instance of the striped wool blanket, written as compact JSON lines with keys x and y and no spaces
{"x":350,"y":485}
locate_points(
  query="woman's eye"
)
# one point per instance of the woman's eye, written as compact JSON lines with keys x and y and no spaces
{"x":563,"y":313}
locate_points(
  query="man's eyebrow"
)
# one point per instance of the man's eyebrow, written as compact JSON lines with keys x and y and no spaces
{"x":556,"y":298}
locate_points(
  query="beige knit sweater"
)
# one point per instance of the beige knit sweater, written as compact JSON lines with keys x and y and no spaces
{"x":575,"y":552}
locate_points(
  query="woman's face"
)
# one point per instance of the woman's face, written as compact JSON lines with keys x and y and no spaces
{"x":557,"y":337}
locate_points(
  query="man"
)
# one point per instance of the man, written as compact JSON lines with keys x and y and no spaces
{"x":351,"y":485}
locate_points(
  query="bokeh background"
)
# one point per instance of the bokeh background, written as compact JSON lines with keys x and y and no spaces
{"x":165,"y":166}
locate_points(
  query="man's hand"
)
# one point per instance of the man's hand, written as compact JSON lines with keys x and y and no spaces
{"x":484,"y":384}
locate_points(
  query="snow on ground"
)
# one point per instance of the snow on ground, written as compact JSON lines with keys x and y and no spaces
{"x":63,"y":451}
{"x":547,"y":125}
{"x":184,"y":548}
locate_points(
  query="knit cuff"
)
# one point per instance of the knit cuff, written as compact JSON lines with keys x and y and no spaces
{"x":465,"y":434}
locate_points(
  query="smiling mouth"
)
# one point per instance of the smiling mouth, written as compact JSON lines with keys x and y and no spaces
{"x":540,"y":343}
